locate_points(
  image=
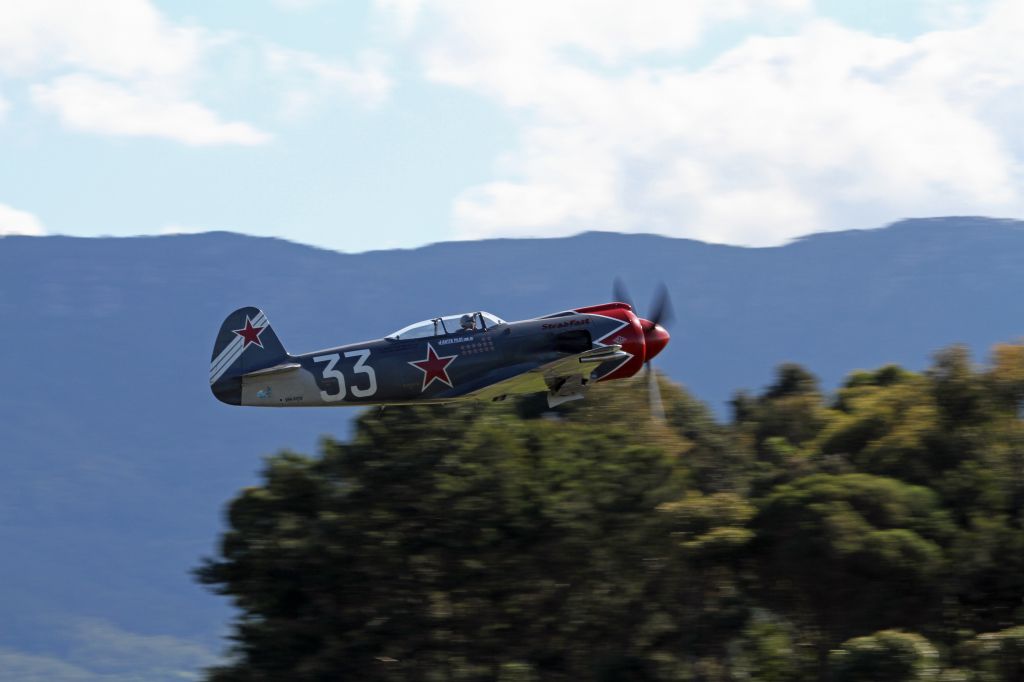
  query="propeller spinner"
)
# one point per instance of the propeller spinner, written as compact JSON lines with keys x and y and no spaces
{"x":656,"y":336}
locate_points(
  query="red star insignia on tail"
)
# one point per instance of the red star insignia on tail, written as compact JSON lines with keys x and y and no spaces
{"x":434,"y":367}
{"x":250,"y":334}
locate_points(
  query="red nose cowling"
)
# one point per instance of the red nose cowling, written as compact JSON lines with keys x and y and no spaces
{"x":655,"y":338}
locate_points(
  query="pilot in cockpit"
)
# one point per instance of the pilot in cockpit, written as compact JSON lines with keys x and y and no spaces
{"x":467,"y":323}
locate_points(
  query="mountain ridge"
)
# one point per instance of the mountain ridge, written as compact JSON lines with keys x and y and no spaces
{"x":960,"y":222}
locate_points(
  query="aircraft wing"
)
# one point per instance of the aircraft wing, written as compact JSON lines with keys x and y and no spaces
{"x":564,"y":379}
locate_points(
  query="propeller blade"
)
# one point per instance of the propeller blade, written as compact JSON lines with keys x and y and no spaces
{"x":654,"y":394}
{"x":621,"y":294}
{"x":661,"y":310}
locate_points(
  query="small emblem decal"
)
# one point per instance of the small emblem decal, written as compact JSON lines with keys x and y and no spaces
{"x":250,"y":333}
{"x":434,"y":367}
{"x":481,"y":344}
{"x":264,"y":394}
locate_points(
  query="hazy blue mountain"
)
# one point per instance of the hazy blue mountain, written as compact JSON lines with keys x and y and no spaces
{"x":117,"y":460}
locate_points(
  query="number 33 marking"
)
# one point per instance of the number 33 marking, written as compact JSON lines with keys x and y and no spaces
{"x":359,"y":368}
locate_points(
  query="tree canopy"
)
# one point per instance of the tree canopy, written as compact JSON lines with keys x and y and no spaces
{"x":873,"y":534}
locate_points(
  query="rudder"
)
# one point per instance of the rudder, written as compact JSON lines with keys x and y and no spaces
{"x":246,"y":343}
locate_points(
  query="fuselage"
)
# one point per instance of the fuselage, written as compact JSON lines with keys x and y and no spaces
{"x":452,"y":365}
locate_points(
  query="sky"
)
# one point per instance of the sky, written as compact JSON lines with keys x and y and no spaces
{"x":373,"y":124}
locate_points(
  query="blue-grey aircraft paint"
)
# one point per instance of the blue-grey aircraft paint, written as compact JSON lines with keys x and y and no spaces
{"x":560,"y":354}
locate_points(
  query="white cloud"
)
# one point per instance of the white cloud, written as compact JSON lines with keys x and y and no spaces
{"x":606,"y":29}
{"x":123,"y":38}
{"x":182,"y":229}
{"x":779,"y":136}
{"x":99,"y":645}
{"x":5,"y":106}
{"x":402,"y":13}
{"x":951,"y":14}
{"x":309,"y":79}
{"x":133,"y":71}
{"x":97,"y":651}
{"x":18,"y":665}
{"x":88,"y":104}
{"x":120,"y":67}
{"x":522,"y":52}
{"x":13,"y":221}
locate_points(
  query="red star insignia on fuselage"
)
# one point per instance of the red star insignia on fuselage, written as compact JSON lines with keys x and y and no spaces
{"x":250,"y":334}
{"x":434,"y":367}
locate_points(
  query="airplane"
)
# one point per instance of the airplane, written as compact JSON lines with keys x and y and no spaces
{"x":447,"y":359}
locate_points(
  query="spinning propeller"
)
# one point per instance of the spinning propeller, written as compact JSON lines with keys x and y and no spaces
{"x":655,"y":336}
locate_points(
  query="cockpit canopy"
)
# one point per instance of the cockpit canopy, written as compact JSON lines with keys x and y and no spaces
{"x":449,"y":324}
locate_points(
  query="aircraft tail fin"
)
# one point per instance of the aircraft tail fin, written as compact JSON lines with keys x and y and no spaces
{"x":246,"y":343}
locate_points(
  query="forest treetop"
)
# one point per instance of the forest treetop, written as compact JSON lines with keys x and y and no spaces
{"x":876,"y":533}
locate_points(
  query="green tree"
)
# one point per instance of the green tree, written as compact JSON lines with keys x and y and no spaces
{"x":888,"y":424}
{"x":959,"y":389}
{"x":890,"y":655}
{"x":450,"y":544}
{"x":1006,"y":377}
{"x":772,"y":432}
{"x":866,"y":547}
{"x":791,"y":408}
{"x":701,"y":593}
{"x":768,"y":651}
{"x":997,"y":656}
{"x":511,"y":542}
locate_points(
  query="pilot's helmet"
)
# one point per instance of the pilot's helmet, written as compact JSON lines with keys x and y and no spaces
{"x":467,"y":322}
